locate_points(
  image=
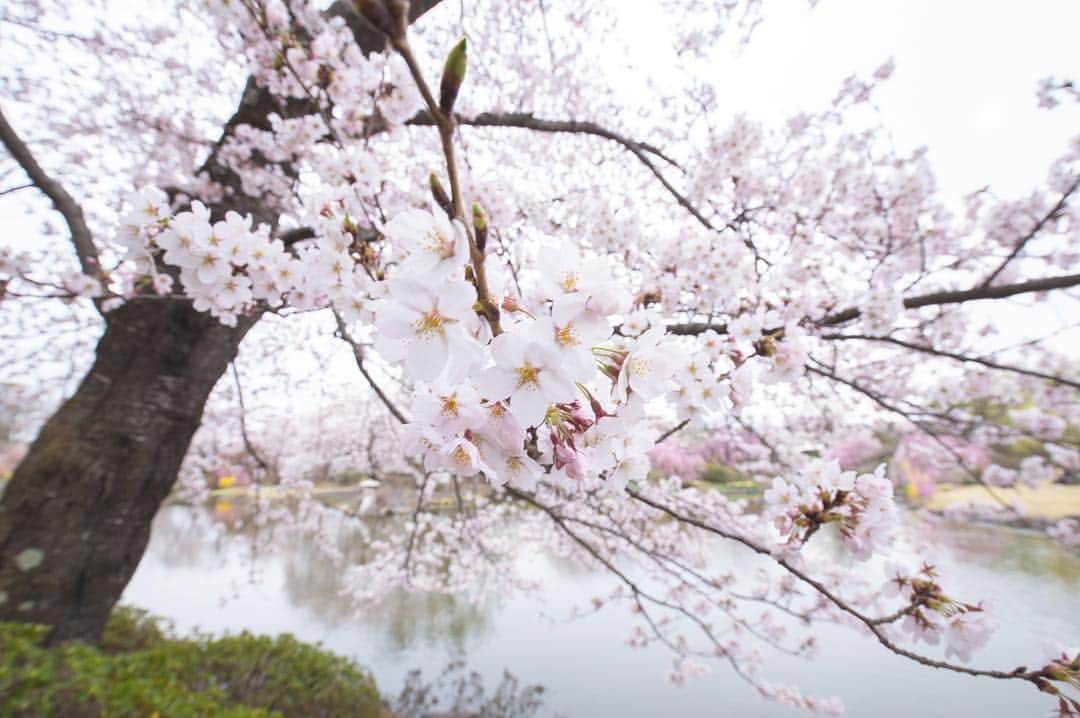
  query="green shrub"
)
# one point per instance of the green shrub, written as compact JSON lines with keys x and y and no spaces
{"x":133,"y":629}
{"x":141,"y":671}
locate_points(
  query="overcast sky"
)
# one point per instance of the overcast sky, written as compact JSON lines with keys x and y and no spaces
{"x":965,"y":80}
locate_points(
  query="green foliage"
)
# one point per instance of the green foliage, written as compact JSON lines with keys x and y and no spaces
{"x":1010,"y":455}
{"x":141,"y":671}
{"x":133,"y":629}
{"x":727,"y":477}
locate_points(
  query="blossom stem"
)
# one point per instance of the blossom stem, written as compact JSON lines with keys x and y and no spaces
{"x":445,"y":124}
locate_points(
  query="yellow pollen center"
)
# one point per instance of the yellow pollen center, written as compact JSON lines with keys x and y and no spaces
{"x":460,"y":456}
{"x":438,"y":244}
{"x":528,"y":375}
{"x":640,"y":367}
{"x":569,"y":282}
{"x":450,"y":405}
{"x":565,"y":336}
{"x":430,"y":323}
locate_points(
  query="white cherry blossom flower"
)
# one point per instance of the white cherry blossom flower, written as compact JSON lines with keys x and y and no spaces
{"x":433,"y":242}
{"x":529,"y":374}
{"x":433,"y":320}
{"x":648,"y":367}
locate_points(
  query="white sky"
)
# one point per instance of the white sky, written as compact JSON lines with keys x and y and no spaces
{"x":964,"y":86}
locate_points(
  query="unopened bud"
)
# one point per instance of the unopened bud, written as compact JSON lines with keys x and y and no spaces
{"x":453,"y":76}
{"x":439,"y":194}
{"x":326,"y":75}
{"x":480,"y":224}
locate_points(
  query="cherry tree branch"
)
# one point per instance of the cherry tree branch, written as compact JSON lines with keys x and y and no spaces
{"x":952,"y":355}
{"x":65,"y":204}
{"x":822,"y":370}
{"x":445,"y":123}
{"x":1053,"y":214}
{"x":528,"y":121}
{"x":16,"y":188}
{"x":1044,"y":284}
{"x":243,"y":422}
{"x":637,"y":593}
{"x":672,"y":431}
{"x":872,"y":624}
{"x":358,"y":356}
{"x":640,"y":150}
{"x":257,"y":103}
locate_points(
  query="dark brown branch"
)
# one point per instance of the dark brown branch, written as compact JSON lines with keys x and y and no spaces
{"x":640,"y":150}
{"x":960,"y":296}
{"x":16,"y":188}
{"x":526,"y":120}
{"x":291,"y":236}
{"x":1044,"y":284}
{"x":822,"y":370}
{"x":870,"y":623}
{"x":672,"y":431}
{"x":951,"y":355}
{"x":65,"y":204}
{"x":243,"y":422}
{"x":358,"y":355}
{"x":1053,"y":214}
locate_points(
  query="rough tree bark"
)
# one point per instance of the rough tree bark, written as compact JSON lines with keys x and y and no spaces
{"x":75,"y":517}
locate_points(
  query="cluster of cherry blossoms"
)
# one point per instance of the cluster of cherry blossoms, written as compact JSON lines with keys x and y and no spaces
{"x":560,"y":390}
{"x":821,"y":494}
{"x":226,"y":267}
{"x":930,"y":615}
{"x":556,"y":391}
{"x":18,"y":267}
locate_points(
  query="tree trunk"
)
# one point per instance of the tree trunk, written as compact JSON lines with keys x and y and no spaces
{"x":75,"y":518}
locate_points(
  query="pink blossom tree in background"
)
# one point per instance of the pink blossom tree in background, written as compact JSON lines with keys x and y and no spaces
{"x":540,"y":289}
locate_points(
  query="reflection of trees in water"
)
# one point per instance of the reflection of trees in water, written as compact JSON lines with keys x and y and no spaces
{"x":187,"y":537}
{"x":403,"y":620}
{"x":1002,"y":549}
{"x":313,"y":566}
{"x":456,"y":693}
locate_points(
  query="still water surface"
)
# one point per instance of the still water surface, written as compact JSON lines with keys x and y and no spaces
{"x":200,"y":573}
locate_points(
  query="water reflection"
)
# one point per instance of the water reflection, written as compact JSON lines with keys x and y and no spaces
{"x":1013,"y":551}
{"x":215,"y":569}
{"x":403,"y":620}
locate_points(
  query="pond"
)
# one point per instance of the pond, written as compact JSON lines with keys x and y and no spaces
{"x":201,"y":573}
